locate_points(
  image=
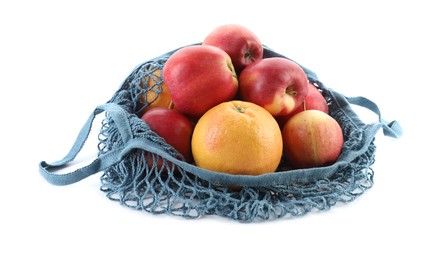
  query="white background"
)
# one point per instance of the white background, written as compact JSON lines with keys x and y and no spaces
{"x":60,"y":59}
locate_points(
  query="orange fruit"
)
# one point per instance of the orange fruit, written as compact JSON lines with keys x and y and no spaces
{"x":237,"y":137}
{"x":158,"y":94}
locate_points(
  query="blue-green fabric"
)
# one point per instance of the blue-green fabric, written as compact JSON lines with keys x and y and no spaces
{"x":129,"y":153}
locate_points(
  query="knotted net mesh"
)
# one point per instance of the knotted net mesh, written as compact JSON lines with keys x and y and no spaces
{"x":146,"y":181}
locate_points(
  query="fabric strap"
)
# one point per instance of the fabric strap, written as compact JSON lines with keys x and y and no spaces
{"x":101,"y":163}
{"x":392,"y":129}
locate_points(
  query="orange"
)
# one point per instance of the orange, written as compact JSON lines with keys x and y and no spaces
{"x":237,"y":137}
{"x":158,"y":94}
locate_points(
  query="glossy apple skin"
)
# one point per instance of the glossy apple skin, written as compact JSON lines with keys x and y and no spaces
{"x":277,"y":84}
{"x":313,"y":101}
{"x":243,"y":46}
{"x":174,"y":127}
{"x":199,"y":77}
{"x":312,"y":138}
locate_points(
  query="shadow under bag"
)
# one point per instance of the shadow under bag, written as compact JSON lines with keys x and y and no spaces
{"x":129,"y":151}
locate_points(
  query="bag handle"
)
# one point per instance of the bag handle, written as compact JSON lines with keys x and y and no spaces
{"x":101,"y":163}
{"x":392,"y":129}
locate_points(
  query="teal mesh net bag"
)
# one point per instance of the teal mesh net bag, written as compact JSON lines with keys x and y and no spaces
{"x":129,"y":153}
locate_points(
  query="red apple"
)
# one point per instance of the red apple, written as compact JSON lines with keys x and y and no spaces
{"x":312,"y":138}
{"x":277,"y":84}
{"x":199,"y":77}
{"x":243,"y":46}
{"x":175,"y":128}
{"x":313,"y":101}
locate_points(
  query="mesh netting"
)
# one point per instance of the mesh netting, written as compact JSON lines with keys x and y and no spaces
{"x":147,"y":181}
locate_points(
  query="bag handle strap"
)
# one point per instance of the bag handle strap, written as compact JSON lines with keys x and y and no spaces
{"x":392,"y":129}
{"x":47,"y":170}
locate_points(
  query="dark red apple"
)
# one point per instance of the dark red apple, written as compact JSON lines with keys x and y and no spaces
{"x":174,"y":127}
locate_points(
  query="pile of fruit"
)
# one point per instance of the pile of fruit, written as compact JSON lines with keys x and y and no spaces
{"x":226,"y":108}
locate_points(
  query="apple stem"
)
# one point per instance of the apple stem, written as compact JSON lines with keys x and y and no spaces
{"x":247,"y":54}
{"x":304,"y":105}
{"x":170,"y":104}
{"x":291,"y":92}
